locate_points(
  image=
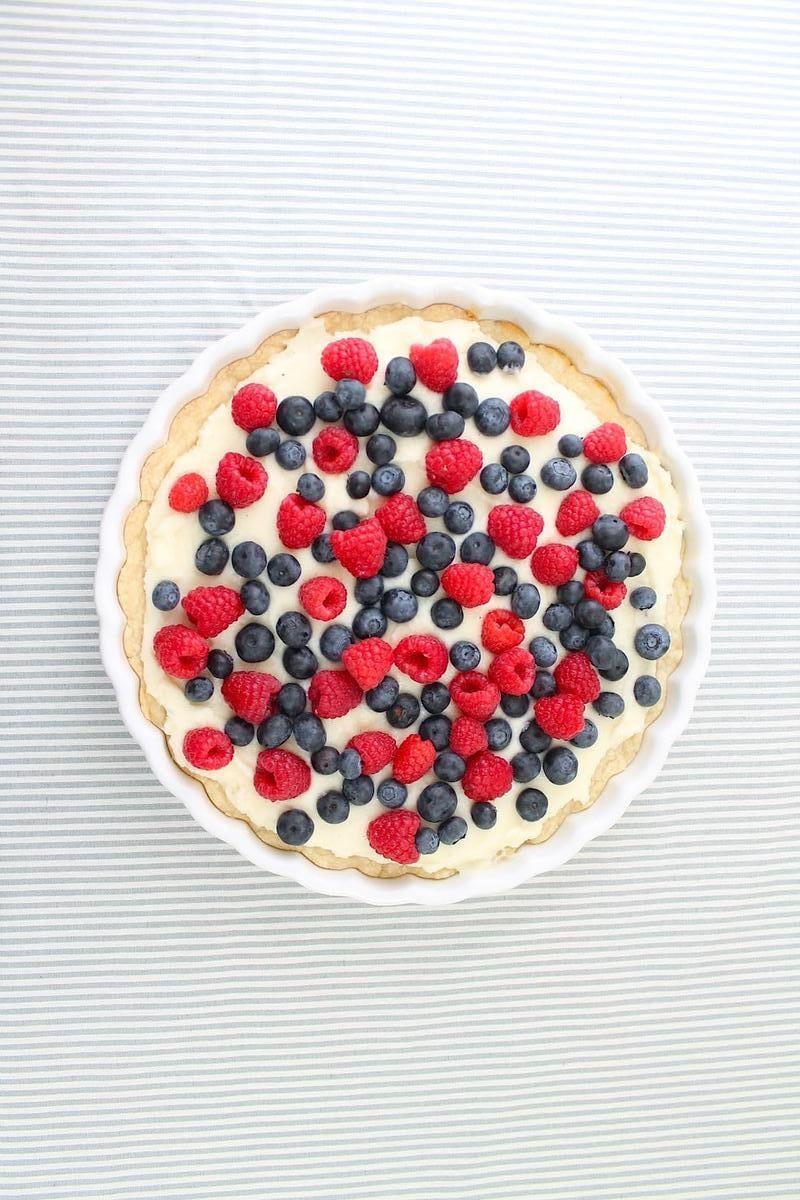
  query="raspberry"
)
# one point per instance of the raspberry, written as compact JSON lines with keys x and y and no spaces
{"x":368,"y":661}
{"x":421,"y":657}
{"x":470,"y":584}
{"x":513,"y":671}
{"x":452,"y":464}
{"x":350,"y":358}
{"x":533,"y":413}
{"x":560,"y":716}
{"x":333,"y":694}
{"x":514,"y":529}
{"x":401,"y":520}
{"x":474,"y":694}
{"x":376,"y":750}
{"x":599,"y":587}
{"x":467,"y":737}
{"x":188,"y":493}
{"x":501,"y":630}
{"x":254,"y":406}
{"x":554,"y":563}
{"x":360,"y":550}
{"x":323,"y":597}
{"x":392,"y":835}
{"x":299,"y":522}
{"x":281,"y":775}
{"x":212,"y":609}
{"x":576,"y":675}
{"x":576,"y":512}
{"x":487,"y":776}
{"x":645,"y":518}
{"x":240,"y":480}
{"x":180,"y":651}
{"x":414,"y":758}
{"x":605,"y":444}
{"x":251,"y":694}
{"x":334,"y":450}
{"x":207,"y":749}
{"x":436,"y":365}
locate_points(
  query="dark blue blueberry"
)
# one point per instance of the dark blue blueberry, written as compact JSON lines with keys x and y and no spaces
{"x":262,"y":441}
{"x":290,"y":455}
{"x":333,"y":808}
{"x":610,"y":532}
{"x":291,"y":699}
{"x":449,"y":767}
{"x":254,"y":643}
{"x":531,"y":804}
{"x":510,"y":356}
{"x":436,"y":730}
{"x":522,"y":489}
{"x":505,"y":580}
{"x":358,"y":791}
{"x":601,"y":651}
{"x":400,"y":377}
{"x":543,"y":685}
{"x":590,"y":555}
{"x":216,"y":517}
{"x":334,"y":640}
{"x":534,"y":739}
{"x":515,"y":459}
{"x":358,"y":485}
{"x":369,"y":622}
{"x":249,"y":560}
{"x":404,"y":712}
{"x":492,"y":416}
{"x":368,"y":591}
{"x":395,"y":560}
{"x":321,"y":549}
{"x":383,"y":695}
{"x":404,"y":415}
{"x":435,"y":698}
{"x":525,"y":600}
{"x":283,"y":570}
{"x":274,"y":731}
{"x":436,"y":802}
{"x":326,"y":760}
{"x":294,"y":629}
{"x":618,"y":566}
{"x":651,"y":641}
{"x":607,"y":628}
{"x":459,"y":516}
{"x":570,"y":593}
{"x":570,"y":445}
{"x":597,"y":479}
{"x":211,"y":557}
{"x":558,"y":474}
{"x":327,"y":407}
{"x":590,"y":613}
{"x":461,"y":398}
{"x":464,"y":656}
{"x":560,"y":765}
{"x":574,"y":637}
{"x":444,"y":426}
{"x":525,"y":766}
{"x":643,"y":598}
{"x":436,"y":551}
{"x":556,"y":617}
{"x":165,"y":595}
{"x":619,"y":667}
{"x":309,"y":732}
{"x":399,"y":605}
{"x":388,"y":480}
{"x":350,"y":393}
{"x":220,"y":664}
{"x":310,"y":486}
{"x":300,"y":662}
{"x":424,"y":583}
{"x":345,"y":520}
{"x":295,"y":415}
{"x":433,"y":502}
{"x":446,"y":614}
{"x":494,"y":479}
{"x":609,"y":704}
{"x":452,"y":831}
{"x":363,"y":421}
{"x":498,"y":732}
{"x":587,"y":736}
{"x":638,"y":562}
{"x":477,"y":548}
{"x":426,"y":840}
{"x":544,"y":652}
{"x":481,"y":358}
{"x":633,"y":470}
{"x":255,"y":597}
{"x":198,"y":690}
{"x":240,"y":732}
{"x":647,"y":691}
{"x":294,"y":827}
{"x":350,"y":765}
{"x":392,"y":793}
{"x":381,"y":449}
{"x":514,"y":706}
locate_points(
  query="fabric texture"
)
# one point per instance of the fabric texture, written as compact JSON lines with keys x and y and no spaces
{"x":176,"y":1024}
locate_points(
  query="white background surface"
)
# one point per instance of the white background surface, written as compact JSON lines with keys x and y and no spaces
{"x":175,"y":1024}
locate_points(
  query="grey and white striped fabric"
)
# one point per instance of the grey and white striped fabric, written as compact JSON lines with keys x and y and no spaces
{"x":175,"y":1024}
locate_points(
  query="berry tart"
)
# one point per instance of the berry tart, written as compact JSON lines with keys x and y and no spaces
{"x":403,"y":589}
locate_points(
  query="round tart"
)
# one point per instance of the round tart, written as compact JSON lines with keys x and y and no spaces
{"x":403,"y":590}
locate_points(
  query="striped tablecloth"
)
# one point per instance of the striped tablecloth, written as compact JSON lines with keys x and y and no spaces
{"x":175,"y":1024}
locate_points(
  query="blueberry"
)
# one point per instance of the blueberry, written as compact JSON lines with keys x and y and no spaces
{"x":437,"y":731}
{"x":618,"y":566}
{"x":515,"y":459}
{"x":609,"y":704}
{"x":633,"y":470}
{"x":294,"y":827}
{"x":165,"y":595}
{"x":248,"y":560}
{"x":570,"y":593}
{"x":494,"y":479}
{"x":643,"y":598}
{"x":321,"y":549}
{"x":638,"y":562}
{"x":327,"y":407}
{"x":381,"y":449}
{"x":531,"y":804}
{"x":350,"y":764}
{"x":462,"y":400}
{"x":404,"y":712}
{"x":610,"y":532}
{"x":424,"y":583}
{"x":444,"y":426}
{"x":525,"y":600}
{"x":254,"y":643}
{"x":510,"y":356}
{"x":436,"y":802}
{"x":514,"y":706}
{"x":543,"y":651}
{"x":404,"y":415}
{"x":560,"y":765}
{"x":574,"y":637}
{"x":395,"y":560}
{"x":400,"y":377}
{"x":492,"y":416}
{"x":262,"y":441}
{"x":543,"y":685}
{"x":435,"y":698}
{"x":498,"y":732}
{"x":597,"y":479}
{"x":570,"y":445}
{"x":220,"y":664}
{"x":647,"y":691}
{"x":607,"y":628}
{"x":483,"y":814}
{"x":399,"y":605}
{"x":294,"y":629}
{"x":358,"y":791}
{"x":525,"y":766}
{"x":198,"y":690}
{"x":363,"y":421}
{"x":392,"y":793}
{"x":333,"y":808}
{"x":358,"y":485}
{"x":601,"y":651}
{"x":369,"y":622}
{"x":334,"y":641}
{"x":388,"y":480}
{"x":295,"y":415}
{"x":459,"y":516}
{"x":274,"y":731}
{"x":446,"y":614}
{"x":587,"y":736}
{"x":254,"y":597}
{"x":283,"y":570}
{"x":481,"y":358}
{"x":558,"y":474}
{"x":309,"y":732}
{"x":590,"y":556}
{"x":368,"y":591}
{"x":211,"y":557}
{"x":522,"y":489}
{"x":326,"y":760}
{"x":505,"y":580}
{"x":300,"y":662}
{"x":590,"y":613}
{"x":651,"y":641}
{"x":452,"y":831}
{"x":426,"y":840}
{"x":619,"y":667}
{"x":433,"y":502}
{"x":464,"y":656}
{"x":383,"y":696}
{"x":240,"y":732}
{"x":291,"y":699}
{"x":477,"y":548}
{"x":350,"y":393}
{"x":556,"y":617}
{"x":436,"y":551}
{"x":449,"y":767}
{"x":290,"y":455}
{"x":345,"y":520}
{"x":216,"y":517}
{"x":534,"y":739}
{"x":310,"y":486}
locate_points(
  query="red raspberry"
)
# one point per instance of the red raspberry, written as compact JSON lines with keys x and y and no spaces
{"x":323,"y":597}
{"x":188,"y":493}
{"x":254,"y":406}
{"x":470,"y":584}
{"x":281,"y":775}
{"x":360,"y":550}
{"x":576,"y":675}
{"x":533,"y":413}
{"x":467,"y":737}
{"x":180,"y":651}
{"x":487,"y":776}
{"x":333,"y":694}
{"x":212,"y":609}
{"x":350,"y":358}
{"x":421,"y":657}
{"x":376,"y":750}
{"x":401,"y":520}
{"x":392,"y":835}
{"x":554,"y":563}
{"x":251,"y":694}
{"x":560,"y":716}
{"x":514,"y":529}
{"x":606,"y":443}
{"x":513,"y":671}
{"x":645,"y":518}
{"x":501,"y":630}
{"x":368,"y":661}
{"x":576,"y":512}
{"x":436,"y":365}
{"x":599,"y":587}
{"x":299,"y":522}
{"x":414,"y":758}
{"x":474,"y":694}
{"x":334,"y":450}
{"x":207,"y":749}
{"x":452,"y":464}
{"x":240,"y":480}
